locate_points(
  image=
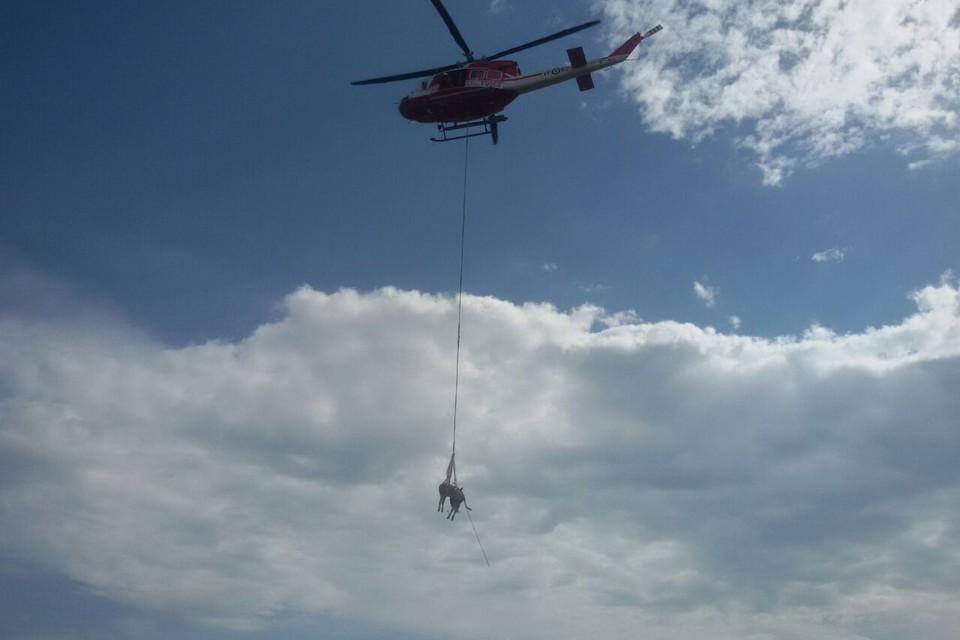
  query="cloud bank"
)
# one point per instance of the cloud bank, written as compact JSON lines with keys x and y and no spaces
{"x":626,"y":477}
{"x":800,"y":81}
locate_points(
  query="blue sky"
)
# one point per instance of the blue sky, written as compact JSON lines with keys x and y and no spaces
{"x":227,"y":284}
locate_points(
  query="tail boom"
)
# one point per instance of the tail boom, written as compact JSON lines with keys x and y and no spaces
{"x":580,"y":68}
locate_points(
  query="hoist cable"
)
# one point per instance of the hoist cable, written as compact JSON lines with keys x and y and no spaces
{"x":463,"y":229}
{"x":456,"y":383}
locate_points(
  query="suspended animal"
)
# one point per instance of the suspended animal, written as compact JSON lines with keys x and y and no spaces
{"x":455,"y":493}
{"x":472,"y":93}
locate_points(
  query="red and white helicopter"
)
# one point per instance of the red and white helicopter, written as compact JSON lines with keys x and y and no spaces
{"x":472,"y":93}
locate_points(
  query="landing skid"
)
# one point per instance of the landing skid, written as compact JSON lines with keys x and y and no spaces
{"x":489,"y":128}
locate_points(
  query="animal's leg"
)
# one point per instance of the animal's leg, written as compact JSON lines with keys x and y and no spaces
{"x":444,"y":491}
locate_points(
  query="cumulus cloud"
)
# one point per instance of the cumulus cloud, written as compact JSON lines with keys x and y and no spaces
{"x":706,"y":293}
{"x":800,"y":81}
{"x":624,"y":474}
{"x":830,"y":255}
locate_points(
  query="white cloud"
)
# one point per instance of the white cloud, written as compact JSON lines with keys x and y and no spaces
{"x":800,"y":81}
{"x":548,"y":266}
{"x":706,"y":293}
{"x":624,"y":475}
{"x":499,"y":6}
{"x":830,"y":255}
{"x":735,"y":322}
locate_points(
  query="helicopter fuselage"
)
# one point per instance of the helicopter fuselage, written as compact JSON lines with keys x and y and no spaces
{"x":475,"y":90}
{"x":480,"y":89}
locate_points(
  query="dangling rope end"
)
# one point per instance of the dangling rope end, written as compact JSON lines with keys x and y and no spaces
{"x":478,"y":537}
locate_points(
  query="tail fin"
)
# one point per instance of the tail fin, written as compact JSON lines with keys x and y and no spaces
{"x":578,"y":59}
{"x":627,"y":47}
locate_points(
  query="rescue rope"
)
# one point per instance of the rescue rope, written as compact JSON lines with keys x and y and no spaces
{"x":456,"y":383}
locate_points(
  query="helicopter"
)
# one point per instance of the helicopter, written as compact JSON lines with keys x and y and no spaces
{"x":469,"y":94}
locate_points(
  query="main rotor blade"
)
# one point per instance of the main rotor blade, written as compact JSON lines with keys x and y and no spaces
{"x":535,"y":43}
{"x":453,"y":29}
{"x":406,"y":76}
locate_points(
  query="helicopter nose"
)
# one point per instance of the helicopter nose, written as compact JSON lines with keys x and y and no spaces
{"x":404,"y":107}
